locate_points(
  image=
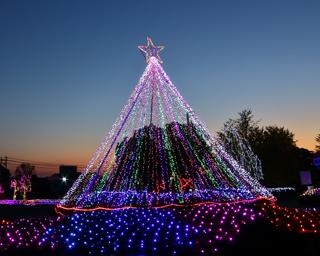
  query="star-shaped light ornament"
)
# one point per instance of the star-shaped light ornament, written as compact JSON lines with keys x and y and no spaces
{"x":151,"y":50}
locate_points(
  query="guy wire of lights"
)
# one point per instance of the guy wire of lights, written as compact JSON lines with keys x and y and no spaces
{"x":158,"y":153}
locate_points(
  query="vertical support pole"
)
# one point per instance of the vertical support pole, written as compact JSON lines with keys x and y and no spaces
{"x":152,"y":93}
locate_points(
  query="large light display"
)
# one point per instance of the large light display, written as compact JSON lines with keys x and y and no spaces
{"x":159,"y":184}
{"x":158,"y":153}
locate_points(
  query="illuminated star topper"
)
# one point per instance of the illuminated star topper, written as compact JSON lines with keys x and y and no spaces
{"x":151,"y":50}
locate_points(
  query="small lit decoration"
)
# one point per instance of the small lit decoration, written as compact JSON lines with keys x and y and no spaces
{"x":14,"y":186}
{"x":21,"y":185}
{"x":151,"y":50}
{"x":185,"y":184}
{"x":311,"y":192}
{"x":24,"y":186}
{"x":158,"y":154}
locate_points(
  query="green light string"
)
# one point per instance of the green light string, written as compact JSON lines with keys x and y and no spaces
{"x":162,"y":152}
{"x":178,"y":129}
{"x":201,"y":162}
{"x":168,"y":146}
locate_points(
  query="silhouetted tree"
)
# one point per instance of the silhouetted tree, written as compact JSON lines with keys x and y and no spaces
{"x":277,"y":153}
{"x":275,"y":146}
{"x":5,"y":180}
{"x":24,"y":169}
{"x":237,"y":137}
{"x":246,"y":126}
{"x":318,"y":142}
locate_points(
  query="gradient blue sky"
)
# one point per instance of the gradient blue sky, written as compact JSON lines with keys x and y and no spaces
{"x":68,"y":67}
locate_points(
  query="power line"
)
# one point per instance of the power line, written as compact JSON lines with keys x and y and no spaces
{"x":33,"y":161}
{"x":40,"y":164}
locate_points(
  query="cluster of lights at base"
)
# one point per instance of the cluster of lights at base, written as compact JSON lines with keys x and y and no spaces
{"x":126,"y":199}
{"x":294,"y":219}
{"x":200,"y":229}
{"x":153,"y":231}
{"x":30,"y":202}
{"x":25,"y":232}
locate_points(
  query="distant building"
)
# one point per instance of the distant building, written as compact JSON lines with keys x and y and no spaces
{"x":60,"y":183}
{"x":4,"y":171}
{"x":68,"y":172}
{"x":5,"y":180}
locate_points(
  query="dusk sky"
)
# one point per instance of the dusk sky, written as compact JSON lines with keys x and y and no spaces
{"x":68,"y":67}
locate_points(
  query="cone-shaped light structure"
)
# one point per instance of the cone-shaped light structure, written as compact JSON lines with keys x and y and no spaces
{"x":159,"y":153}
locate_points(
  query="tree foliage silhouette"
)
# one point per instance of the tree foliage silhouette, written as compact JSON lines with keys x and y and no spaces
{"x":237,"y":136}
{"x":318,"y":142}
{"x":275,"y":146}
